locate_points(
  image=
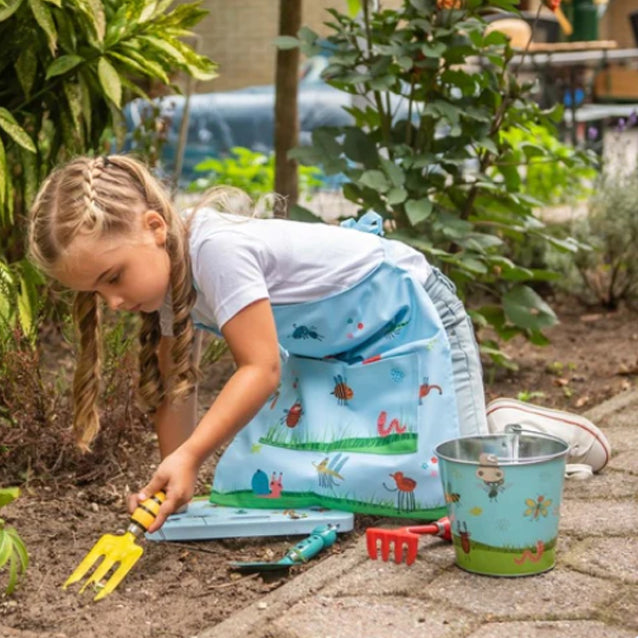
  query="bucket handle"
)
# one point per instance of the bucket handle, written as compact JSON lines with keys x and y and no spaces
{"x":516,"y":430}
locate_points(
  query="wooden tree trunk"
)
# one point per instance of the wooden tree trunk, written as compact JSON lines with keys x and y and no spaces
{"x":286,"y":111}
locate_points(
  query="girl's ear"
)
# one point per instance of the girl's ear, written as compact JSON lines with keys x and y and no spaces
{"x":153,"y":221}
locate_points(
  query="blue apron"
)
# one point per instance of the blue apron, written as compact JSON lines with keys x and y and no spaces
{"x":366,"y":394}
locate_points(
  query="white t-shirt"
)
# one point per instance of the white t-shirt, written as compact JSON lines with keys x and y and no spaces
{"x":238,"y":260}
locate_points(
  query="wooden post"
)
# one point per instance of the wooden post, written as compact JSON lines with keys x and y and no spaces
{"x":286,"y":109}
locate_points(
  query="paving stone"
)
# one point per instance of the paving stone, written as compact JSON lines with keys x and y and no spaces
{"x":598,"y":518}
{"x":554,"y":595}
{"x":558,"y":629}
{"x":606,"y":557}
{"x":623,"y":438}
{"x":610,"y":484}
{"x":624,"y":610}
{"x":618,"y":411}
{"x":359,"y":617}
{"x":625,"y":461}
{"x":388,"y":578}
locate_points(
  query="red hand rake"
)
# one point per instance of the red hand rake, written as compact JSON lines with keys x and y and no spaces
{"x":404,"y":537}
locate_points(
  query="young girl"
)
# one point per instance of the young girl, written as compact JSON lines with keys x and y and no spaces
{"x":354,"y":356}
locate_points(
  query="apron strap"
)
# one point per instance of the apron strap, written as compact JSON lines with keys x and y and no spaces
{"x":370,"y":222}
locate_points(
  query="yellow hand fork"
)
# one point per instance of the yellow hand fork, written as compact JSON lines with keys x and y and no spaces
{"x":120,"y":549}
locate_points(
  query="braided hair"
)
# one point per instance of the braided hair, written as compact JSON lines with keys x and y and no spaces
{"x":97,"y":197}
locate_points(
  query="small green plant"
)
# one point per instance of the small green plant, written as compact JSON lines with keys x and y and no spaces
{"x":527,"y":395}
{"x":12,"y":549}
{"x":251,"y":171}
{"x":558,"y":368}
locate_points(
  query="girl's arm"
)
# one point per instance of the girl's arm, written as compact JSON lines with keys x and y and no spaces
{"x":252,"y":339}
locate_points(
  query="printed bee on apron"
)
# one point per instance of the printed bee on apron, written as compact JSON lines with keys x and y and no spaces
{"x":342,"y":390}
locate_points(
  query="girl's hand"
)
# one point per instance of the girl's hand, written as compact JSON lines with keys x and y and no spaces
{"x":176,"y":475}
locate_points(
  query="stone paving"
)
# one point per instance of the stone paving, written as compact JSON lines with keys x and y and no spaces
{"x":592,"y":592}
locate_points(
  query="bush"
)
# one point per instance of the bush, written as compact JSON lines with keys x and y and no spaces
{"x":433,"y":96}
{"x":607,"y":272}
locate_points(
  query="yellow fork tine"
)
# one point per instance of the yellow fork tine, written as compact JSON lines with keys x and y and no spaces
{"x":100,"y":571}
{"x":126,"y":564}
{"x":87,"y":562}
{"x":117,"y":549}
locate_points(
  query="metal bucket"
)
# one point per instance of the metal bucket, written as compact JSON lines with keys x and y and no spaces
{"x":503,"y":494}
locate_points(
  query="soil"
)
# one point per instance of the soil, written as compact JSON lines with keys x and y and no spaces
{"x":179,"y":589}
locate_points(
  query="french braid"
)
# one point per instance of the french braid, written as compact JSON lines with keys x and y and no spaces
{"x":97,"y":197}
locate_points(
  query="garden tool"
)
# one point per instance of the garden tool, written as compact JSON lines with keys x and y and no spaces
{"x":320,"y":538}
{"x":555,"y":8}
{"x":114,"y":550}
{"x":404,"y":537}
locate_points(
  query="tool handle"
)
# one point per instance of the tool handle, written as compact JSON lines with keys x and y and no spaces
{"x":146,"y":512}
{"x":442,"y":528}
{"x":323,"y":536}
{"x":564,"y":23}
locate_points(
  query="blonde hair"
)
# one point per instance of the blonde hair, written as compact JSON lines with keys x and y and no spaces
{"x":97,"y":197}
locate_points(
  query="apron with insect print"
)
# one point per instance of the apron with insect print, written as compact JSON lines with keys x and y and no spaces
{"x":366,"y":394}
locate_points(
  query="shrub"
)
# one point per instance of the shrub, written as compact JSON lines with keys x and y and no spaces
{"x":66,"y":67}
{"x":607,"y":272}
{"x":433,"y":94}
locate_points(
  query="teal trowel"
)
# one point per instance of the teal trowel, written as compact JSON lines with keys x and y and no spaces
{"x":320,"y":538}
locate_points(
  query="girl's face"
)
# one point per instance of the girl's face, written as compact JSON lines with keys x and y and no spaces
{"x":130,"y":272}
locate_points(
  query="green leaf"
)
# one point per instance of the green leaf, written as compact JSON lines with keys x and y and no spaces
{"x":376,"y":180}
{"x":302,"y":214}
{"x":9,"y":125}
{"x":28,"y":299}
{"x":6,"y":545}
{"x":73,"y":94}
{"x":393,"y":171}
{"x":13,"y":571}
{"x":418,"y":210}
{"x":396,"y":195}
{"x":26,"y":66}
{"x":163,"y":45}
{"x":354,"y":6}
{"x":110,"y":81}
{"x":29,"y":175}
{"x":3,"y":182}
{"x":8,"y":495}
{"x":524,"y":308}
{"x":42,"y":15}
{"x":19,"y":549}
{"x":63,"y":64}
{"x":8,"y":8}
{"x":473,"y":264}
{"x":359,"y":147}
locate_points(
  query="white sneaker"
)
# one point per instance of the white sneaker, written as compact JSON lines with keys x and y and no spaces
{"x":588,"y":446}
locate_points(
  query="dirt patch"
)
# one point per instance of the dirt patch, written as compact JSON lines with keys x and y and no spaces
{"x":179,"y":589}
